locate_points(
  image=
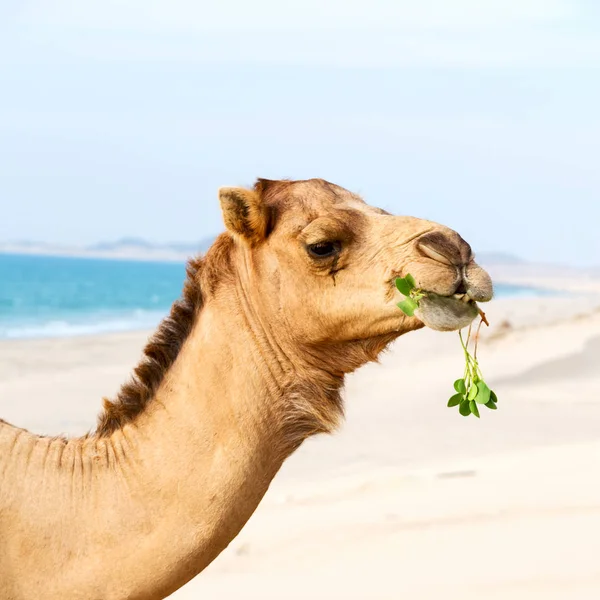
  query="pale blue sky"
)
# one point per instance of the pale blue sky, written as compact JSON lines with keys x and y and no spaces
{"x":123,"y":117}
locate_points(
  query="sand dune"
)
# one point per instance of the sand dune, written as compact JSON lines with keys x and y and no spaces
{"x":408,"y":500}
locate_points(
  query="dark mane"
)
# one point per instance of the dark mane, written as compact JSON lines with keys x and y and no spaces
{"x":164,"y":346}
{"x":159,"y":355}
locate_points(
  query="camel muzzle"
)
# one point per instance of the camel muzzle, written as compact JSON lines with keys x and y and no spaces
{"x":450,"y":249}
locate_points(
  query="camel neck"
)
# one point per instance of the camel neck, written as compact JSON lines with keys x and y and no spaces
{"x":207,"y":448}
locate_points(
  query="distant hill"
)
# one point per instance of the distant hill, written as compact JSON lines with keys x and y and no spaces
{"x":123,"y":242}
{"x":124,"y":248}
{"x":144,"y":245}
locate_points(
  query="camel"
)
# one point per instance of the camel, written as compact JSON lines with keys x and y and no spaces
{"x":295,"y":294}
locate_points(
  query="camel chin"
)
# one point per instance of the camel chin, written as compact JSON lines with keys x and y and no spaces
{"x":444,"y":313}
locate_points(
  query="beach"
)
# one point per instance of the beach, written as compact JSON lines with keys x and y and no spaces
{"x":408,"y":499}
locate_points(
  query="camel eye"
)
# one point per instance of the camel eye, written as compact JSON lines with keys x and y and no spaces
{"x":324,"y":249}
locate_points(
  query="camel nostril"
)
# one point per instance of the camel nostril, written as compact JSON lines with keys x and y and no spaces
{"x":449,"y":249}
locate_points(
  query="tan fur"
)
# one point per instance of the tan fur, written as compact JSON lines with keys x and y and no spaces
{"x":249,"y":363}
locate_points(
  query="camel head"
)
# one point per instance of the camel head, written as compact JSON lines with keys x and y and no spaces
{"x":320,"y":264}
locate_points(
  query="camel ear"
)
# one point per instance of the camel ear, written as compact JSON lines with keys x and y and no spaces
{"x":245,"y":214}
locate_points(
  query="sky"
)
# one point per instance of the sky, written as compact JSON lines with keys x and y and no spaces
{"x":123,"y":118}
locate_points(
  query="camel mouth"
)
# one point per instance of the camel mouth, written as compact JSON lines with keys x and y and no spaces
{"x":447,"y":313}
{"x":443,"y":311}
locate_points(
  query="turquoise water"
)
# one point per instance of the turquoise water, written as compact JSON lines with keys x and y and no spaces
{"x":44,"y":296}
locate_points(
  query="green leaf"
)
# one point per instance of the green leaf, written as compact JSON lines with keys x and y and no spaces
{"x":493,"y":396}
{"x":408,"y":307}
{"x":473,"y":391}
{"x":460,"y":387}
{"x":411,"y":281}
{"x":464,"y":409}
{"x":404,"y":286}
{"x":483,"y":393}
{"x":455,"y":400}
{"x":473,"y":407}
{"x":491,"y":404}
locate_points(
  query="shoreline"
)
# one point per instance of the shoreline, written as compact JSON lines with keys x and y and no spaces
{"x":580,"y":299}
{"x":579,"y":303}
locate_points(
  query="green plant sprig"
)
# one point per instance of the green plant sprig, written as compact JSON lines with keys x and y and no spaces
{"x":471,"y":390}
{"x":407,"y":286}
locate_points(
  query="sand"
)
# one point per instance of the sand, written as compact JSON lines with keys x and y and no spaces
{"x":408,"y":500}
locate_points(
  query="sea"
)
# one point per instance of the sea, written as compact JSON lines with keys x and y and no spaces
{"x":48,"y":296}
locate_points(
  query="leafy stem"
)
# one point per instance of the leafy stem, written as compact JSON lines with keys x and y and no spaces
{"x":471,"y":390}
